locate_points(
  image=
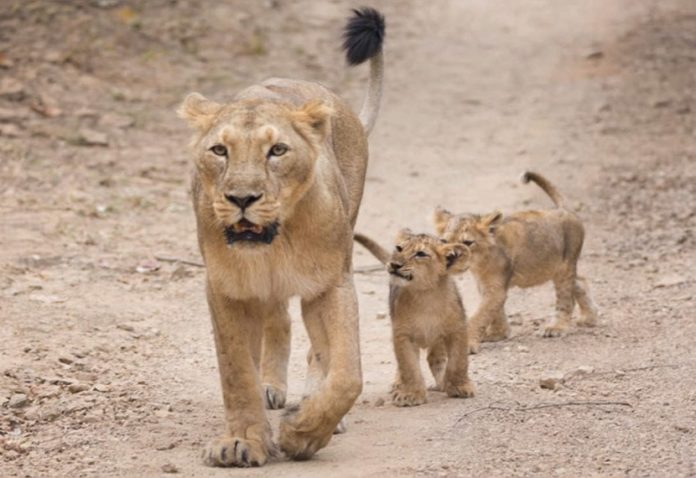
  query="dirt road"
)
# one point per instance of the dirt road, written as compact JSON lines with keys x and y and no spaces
{"x":107,"y":365}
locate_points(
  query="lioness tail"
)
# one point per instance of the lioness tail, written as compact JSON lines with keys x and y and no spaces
{"x":362,"y":41}
{"x":378,"y":251}
{"x":544,"y":184}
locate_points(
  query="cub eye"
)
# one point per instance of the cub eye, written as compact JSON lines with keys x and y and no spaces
{"x":421,"y":254}
{"x":219,"y":150}
{"x":278,"y":149}
{"x":399,"y":249}
{"x":467,"y":242}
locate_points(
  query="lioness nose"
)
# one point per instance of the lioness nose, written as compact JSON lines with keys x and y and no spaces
{"x":243,"y":201}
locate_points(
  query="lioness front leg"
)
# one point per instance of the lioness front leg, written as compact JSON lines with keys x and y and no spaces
{"x":275,"y":354}
{"x":457,"y":383}
{"x":409,"y":388}
{"x":309,"y":428}
{"x":248,"y":438}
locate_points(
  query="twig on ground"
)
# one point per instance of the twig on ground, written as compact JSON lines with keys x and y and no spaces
{"x":526,"y":408}
{"x":181,"y":261}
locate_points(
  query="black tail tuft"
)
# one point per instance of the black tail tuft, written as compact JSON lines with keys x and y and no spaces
{"x":364,"y":35}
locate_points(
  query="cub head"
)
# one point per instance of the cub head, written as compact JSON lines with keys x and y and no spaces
{"x":420,"y":260}
{"x":472,"y":230}
{"x":255,"y":160}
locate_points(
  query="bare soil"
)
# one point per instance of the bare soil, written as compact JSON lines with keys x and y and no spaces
{"x":107,"y":365}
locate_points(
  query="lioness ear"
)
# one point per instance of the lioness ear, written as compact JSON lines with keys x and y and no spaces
{"x":454,"y":252}
{"x":441,"y":217}
{"x":198,"y":111}
{"x":492,"y":220}
{"x":317,"y":116}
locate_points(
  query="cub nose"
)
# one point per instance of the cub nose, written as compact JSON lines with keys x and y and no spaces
{"x":243,"y":201}
{"x":395,"y":266}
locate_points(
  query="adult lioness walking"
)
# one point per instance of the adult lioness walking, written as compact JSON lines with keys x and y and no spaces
{"x":278,"y":182}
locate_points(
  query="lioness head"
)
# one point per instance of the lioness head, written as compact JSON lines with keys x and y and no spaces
{"x":472,"y":230}
{"x":422,"y":259}
{"x":255,"y":160}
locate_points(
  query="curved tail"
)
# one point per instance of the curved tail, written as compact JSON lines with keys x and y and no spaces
{"x":378,"y":251}
{"x":362,"y":41}
{"x":544,"y":184}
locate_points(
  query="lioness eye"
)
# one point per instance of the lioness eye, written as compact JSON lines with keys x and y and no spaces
{"x":421,"y":254}
{"x":399,"y":248}
{"x":278,"y":149}
{"x":219,"y":150}
{"x":467,"y":242}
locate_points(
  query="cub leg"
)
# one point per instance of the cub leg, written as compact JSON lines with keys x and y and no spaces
{"x":274,"y":356}
{"x":248,"y":439}
{"x":309,"y":428}
{"x":492,"y":309}
{"x":409,"y":388}
{"x":437,"y":360}
{"x":499,"y":329}
{"x":564,"y":284}
{"x":457,"y":383}
{"x":588,"y":311}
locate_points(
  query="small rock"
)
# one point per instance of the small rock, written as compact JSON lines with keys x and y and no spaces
{"x":12,"y":89}
{"x":595,"y":55}
{"x":166,"y":446}
{"x":77,"y":387}
{"x":379,"y":402}
{"x":585,"y":369}
{"x":10,"y":130}
{"x":89,"y":137}
{"x":148,"y":266}
{"x":523,"y":349}
{"x":126,"y":327}
{"x":551,"y":380}
{"x":18,"y":400}
{"x":661,"y":103}
{"x":46,"y":106}
{"x":169,"y":468}
{"x":100,"y":387}
{"x":65,"y":360}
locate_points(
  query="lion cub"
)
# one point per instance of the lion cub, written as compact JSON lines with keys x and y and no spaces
{"x":523,"y":249}
{"x":426,"y":312}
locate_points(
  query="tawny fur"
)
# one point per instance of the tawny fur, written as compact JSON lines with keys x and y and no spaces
{"x":524,"y":249}
{"x":426,"y":313}
{"x":313,"y":192}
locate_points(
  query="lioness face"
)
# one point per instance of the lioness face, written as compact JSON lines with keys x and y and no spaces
{"x":421,"y":259}
{"x":472,"y":230}
{"x":255,"y":161}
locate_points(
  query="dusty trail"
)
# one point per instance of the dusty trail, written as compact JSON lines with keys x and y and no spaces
{"x":598,"y":97}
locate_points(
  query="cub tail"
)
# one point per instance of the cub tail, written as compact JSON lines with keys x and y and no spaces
{"x":378,"y":251}
{"x":362,"y":41}
{"x":544,"y":184}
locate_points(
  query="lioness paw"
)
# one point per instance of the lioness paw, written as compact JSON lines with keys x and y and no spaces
{"x":342,"y":427}
{"x":463,"y":390}
{"x":408,"y":398}
{"x":474,"y":347}
{"x":300,"y":441}
{"x":554,"y":330}
{"x":234,"y":451}
{"x":273,"y":397}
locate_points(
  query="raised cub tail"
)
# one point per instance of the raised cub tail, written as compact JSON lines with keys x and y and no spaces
{"x":378,"y":251}
{"x":544,"y":184}
{"x":362,"y":41}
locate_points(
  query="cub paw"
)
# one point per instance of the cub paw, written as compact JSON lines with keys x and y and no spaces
{"x":342,"y":427}
{"x":300,"y":441}
{"x":496,"y":335}
{"x":408,"y":398}
{"x":474,"y":347}
{"x":234,"y":451}
{"x":587,"y":321}
{"x":463,"y":390}
{"x":273,"y":397}
{"x":554,"y":330}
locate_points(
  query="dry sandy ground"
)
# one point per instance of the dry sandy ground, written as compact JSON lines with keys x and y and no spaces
{"x":106,"y":358}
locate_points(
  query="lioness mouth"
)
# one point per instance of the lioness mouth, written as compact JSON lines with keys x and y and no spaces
{"x":246,"y":230}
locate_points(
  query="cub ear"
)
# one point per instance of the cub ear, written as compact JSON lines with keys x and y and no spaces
{"x":316,"y":115}
{"x":403,"y":235}
{"x":454,"y":253}
{"x":441,"y":217}
{"x":198,"y":111}
{"x":492,"y":220}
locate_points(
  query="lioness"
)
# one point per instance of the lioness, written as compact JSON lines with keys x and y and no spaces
{"x":523,"y":249}
{"x":278,"y":181}
{"x":426,"y":312}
